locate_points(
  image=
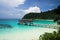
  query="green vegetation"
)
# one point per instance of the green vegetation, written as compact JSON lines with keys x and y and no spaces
{"x":52,"y":14}
{"x":51,"y":36}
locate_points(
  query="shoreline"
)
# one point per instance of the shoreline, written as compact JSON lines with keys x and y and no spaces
{"x":39,"y":19}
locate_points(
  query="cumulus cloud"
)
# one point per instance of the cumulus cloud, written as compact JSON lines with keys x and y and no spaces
{"x":7,"y":9}
{"x":33,"y":9}
{"x":12,"y":2}
{"x":9,"y":12}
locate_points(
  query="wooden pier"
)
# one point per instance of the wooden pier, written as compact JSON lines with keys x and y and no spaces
{"x":30,"y":23}
{"x":25,"y":21}
{"x":53,"y":26}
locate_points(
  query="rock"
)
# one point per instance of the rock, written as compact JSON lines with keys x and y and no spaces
{"x":5,"y":26}
{"x":18,"y":23}
{"x":26,"y":24}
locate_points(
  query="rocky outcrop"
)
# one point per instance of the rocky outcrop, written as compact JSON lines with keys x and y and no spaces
{"x":5,"y":26}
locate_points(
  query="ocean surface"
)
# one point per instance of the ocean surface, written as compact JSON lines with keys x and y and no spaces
{"x":24,"y":32}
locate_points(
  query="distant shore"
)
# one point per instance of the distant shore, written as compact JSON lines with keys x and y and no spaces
{"x":40,"y":19}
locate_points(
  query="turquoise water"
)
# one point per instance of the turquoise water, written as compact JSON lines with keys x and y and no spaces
{"x":43,"y":21}
{"x":23,"y":32}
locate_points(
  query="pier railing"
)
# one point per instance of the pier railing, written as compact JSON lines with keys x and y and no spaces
{"x":26,"y":21}
{"x":47,"y":25}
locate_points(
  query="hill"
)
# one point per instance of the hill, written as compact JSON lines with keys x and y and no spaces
{"x":52,"y":14}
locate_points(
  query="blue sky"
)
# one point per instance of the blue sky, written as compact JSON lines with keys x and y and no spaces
{"x":18,"y":8}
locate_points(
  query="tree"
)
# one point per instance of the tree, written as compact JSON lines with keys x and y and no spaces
{"x":51,"y":36}
{"x":57,"y":10}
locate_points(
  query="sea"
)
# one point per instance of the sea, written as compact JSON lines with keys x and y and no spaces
{"x":24,"y":32}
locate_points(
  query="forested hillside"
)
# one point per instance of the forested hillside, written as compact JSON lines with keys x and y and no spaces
{"x":52,"y":14}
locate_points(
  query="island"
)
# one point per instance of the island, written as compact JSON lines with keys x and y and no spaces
{"x":53,"y":14}
{"x":50,"y":14}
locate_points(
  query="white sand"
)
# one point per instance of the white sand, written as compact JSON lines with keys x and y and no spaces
{"x":29,"y":34}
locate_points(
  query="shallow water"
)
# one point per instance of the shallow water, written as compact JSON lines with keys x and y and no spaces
{"x":23,"y":32}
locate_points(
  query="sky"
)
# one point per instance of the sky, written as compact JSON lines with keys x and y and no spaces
{"x":15,"y":9}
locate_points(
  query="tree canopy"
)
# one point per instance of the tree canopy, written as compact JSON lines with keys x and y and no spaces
{"x":51,"y":14}
{"x":51,"y":36}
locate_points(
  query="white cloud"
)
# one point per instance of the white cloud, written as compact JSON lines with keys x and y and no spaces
{"x":12,"y":2}
{"x":33,"y":9}
{"x":10,"y":12}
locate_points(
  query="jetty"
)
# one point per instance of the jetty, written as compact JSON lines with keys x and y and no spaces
{"x":53,"y":26}
{"x":25,"y":21}
{"x":30,"y":23}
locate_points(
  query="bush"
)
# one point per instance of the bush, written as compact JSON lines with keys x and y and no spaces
{"x":51,"y":36}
